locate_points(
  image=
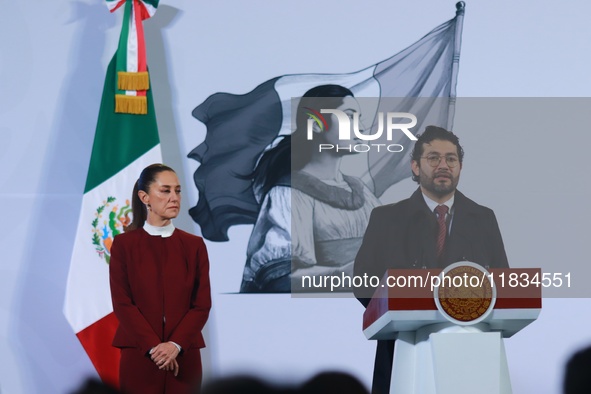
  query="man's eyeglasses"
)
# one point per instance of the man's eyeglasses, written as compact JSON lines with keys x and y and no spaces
{"x":434,"y":160}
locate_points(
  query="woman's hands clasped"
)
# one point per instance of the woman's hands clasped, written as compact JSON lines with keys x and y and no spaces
{"x":164,"y":356}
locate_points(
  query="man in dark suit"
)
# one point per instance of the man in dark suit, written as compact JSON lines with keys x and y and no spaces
{"x":435,"y":227}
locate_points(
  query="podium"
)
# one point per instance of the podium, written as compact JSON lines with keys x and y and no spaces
{"x":439,"y":351}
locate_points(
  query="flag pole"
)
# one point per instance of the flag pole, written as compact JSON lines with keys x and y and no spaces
{"x":460,"y":10}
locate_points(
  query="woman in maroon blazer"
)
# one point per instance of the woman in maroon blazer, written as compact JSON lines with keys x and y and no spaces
{"x":160,"y":290}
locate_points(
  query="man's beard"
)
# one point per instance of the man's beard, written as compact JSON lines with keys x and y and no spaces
{"x":439,"y":189}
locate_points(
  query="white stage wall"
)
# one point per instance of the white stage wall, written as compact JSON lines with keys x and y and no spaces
{"x":53,"y":57}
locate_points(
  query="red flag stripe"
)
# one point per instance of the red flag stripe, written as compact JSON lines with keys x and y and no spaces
{"x":139,"y":11}
{"x":96,"y":340}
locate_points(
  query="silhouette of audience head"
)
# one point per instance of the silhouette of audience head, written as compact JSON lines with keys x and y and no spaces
{"x":325,"y":382}
{"x":577,"y":377}
{"x":95,"y":386}
{"x":333,"y":382}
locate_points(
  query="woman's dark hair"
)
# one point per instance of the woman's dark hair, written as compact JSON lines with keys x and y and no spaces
{"x":138,"y":209}
{"x":277,"y":163}
{"x":434,"y":133}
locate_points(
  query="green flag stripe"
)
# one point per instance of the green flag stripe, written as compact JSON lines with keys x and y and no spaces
{"x":120,"y":138}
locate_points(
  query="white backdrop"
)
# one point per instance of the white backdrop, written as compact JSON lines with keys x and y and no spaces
{"x":53,"y":57}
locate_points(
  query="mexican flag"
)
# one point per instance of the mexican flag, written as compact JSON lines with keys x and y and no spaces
{"x":125,"y":142}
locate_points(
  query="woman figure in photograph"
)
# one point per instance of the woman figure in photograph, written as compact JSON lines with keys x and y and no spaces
{"x":312,"y":217}
{"x":160,"y":291}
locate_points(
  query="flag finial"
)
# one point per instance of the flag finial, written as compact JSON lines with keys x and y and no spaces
{"x":460,"y":8}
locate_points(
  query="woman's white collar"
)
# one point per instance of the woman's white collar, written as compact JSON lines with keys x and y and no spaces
{"x":164,"y":231}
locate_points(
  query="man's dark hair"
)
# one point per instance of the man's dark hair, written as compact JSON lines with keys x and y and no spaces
{"x":434,"y":133}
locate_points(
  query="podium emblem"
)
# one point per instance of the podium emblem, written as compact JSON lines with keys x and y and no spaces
{"x":465,"y":294}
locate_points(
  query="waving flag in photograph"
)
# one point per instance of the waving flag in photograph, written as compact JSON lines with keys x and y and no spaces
{"x":241,"y":127}
{"x":126,"y":141}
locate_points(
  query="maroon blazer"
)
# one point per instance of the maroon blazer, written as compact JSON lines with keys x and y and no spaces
{"x":160,"y":289}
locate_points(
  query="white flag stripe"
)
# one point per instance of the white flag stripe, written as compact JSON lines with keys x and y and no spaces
{"x":132,"y":44}
{"x":88,"y":296}
{"x":150,"y":8}
{"x":111,"y":4}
